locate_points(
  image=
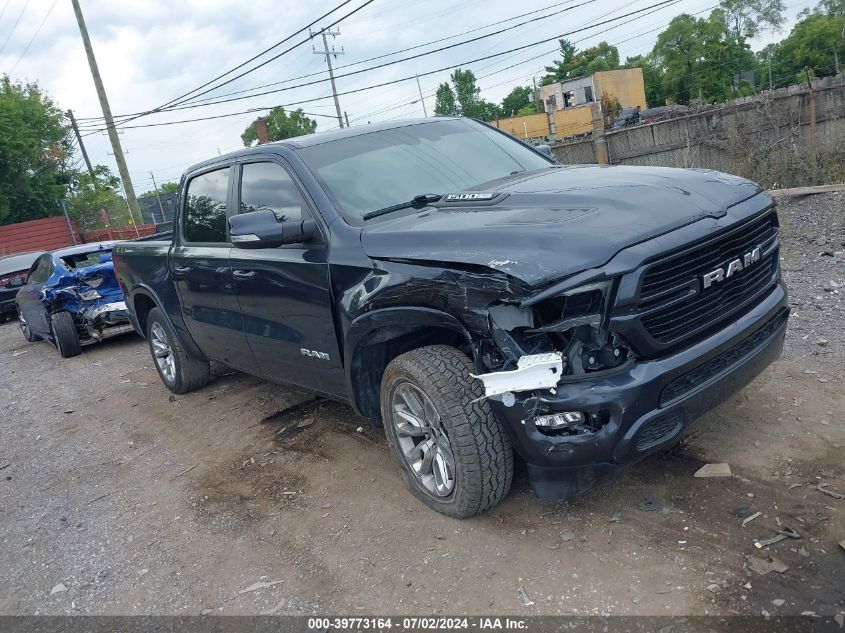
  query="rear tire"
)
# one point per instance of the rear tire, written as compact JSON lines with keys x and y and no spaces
{"x":453,"y":453}
{"x":179,"y":371}
{"x":64,"y":331}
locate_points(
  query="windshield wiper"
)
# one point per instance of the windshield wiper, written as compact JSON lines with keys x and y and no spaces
{"x":417,"y":201}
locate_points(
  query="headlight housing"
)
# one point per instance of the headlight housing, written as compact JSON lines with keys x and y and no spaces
{"x":574,"y":323}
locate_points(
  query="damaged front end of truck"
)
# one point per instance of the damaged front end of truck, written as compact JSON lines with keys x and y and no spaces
{"x":92,"y":296}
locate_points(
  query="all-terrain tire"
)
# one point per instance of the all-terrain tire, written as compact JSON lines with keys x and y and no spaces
{"x":65,"y":334}
{"x":190,"y":372}
{"x":479,"y":442}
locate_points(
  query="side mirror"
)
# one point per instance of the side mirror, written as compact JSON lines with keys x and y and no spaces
{"x":546,"y":150}
{"x":261,"y":229}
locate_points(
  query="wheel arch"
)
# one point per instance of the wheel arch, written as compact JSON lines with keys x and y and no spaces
{"x":142,"y":301}
{"x":376,"y":338}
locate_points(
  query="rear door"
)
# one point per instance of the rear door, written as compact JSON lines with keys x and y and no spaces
{"x":284,"y":292}
{"x":199,"y":265}
{"x":29,"y":296}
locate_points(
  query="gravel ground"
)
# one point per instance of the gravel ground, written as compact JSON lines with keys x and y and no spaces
{"x":118,"y":498}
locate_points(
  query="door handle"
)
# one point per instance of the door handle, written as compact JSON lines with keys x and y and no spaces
{"x":243,"y":275}
{"x":181,"y":270}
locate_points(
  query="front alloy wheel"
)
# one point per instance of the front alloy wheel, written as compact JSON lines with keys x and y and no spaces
{"x":452,"y":452}
{"x":423,"y":440}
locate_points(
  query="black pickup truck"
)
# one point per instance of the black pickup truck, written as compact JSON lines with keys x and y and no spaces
{"x":456,"y":286}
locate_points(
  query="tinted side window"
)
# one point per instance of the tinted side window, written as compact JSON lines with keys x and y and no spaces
{"x":205,"y":207}
{"x":268,"y":186}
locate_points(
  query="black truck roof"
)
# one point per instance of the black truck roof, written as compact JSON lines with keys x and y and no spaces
{"x":318,"y":138}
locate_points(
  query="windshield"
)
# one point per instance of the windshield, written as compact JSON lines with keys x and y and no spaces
{"x":373,"y":171}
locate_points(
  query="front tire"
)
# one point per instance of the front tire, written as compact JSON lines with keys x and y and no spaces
{"x":452,"y":451}
{"x":64,"y":331}
{"x":179,"y":371}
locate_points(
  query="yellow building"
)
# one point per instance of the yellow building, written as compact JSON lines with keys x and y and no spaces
{"x":568,"y":103}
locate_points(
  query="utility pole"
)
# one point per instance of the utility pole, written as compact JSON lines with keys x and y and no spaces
{"x":771,"y":86}
{"x":82,"y":147}
{"x":160,"y":205}
{"x":104,"y":104}
{"x":425,"y":114}
{"x":329,"y":54}
{"x":346,"y":116}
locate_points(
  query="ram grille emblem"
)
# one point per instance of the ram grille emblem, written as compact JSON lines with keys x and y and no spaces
{"x":731,"y":268}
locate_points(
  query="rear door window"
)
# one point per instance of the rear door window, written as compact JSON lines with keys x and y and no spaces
{"x":205,"y":207}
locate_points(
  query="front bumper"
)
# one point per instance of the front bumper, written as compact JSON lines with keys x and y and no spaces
{"x":647,"y":405}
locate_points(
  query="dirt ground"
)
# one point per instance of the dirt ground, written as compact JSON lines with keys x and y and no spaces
{"x":118,"y":498}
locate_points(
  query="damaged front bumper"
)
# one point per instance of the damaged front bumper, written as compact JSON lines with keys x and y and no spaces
{"x":640,"y":408}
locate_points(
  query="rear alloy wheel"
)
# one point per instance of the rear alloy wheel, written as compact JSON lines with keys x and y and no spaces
{"x":65,"y":334}
{"x":452,"y":451}
{"x":179,"y":371}
{"x":27,"y":333}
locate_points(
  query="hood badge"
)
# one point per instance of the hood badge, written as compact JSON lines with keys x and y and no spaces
{"x":732,"y":267}
{"x":468,"y":197}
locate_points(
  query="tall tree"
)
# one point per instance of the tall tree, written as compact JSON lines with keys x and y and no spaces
{"x":465,"y":99}
{"x":520,"y":99}
{"x":746,"y":18}
{"x":572,"y":64}
{"x":281,"y":125}
{"x":35,"y":150}
{"x":90,"y":198}
{"x":444,"y":101}
{"x":815,"y":42}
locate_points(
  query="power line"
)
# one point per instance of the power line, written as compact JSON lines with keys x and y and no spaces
{"x":264,"y":63}
{"x":5,"y":6}
{"x":14,"y":26}
{"x":422,"y":74}
{"x":402,"y":50}
{"x":32,"y":39}
{"x":395,"y":81}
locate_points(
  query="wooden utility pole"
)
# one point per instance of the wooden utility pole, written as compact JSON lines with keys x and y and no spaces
{"x":158,"y":196}
{"x":422,"y":101}
{"x":329,"y":54}
{"x":82,"y":147}
{"x":104,"y":104}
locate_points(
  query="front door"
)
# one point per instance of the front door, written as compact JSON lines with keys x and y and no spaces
{"x":284,"y":292}
{"x":203,"y":275}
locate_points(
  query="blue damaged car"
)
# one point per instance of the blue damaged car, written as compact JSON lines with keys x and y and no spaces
{"x":71,"y":298}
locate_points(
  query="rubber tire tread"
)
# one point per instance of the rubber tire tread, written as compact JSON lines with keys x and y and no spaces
{"x":483,"y":452}
{"x":65,"y":334}
{"x":191,"y":373}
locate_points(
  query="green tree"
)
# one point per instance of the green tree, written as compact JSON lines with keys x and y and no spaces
{"x":444,"y":101}
{"x":35,"y":150}
{"x":169,"y":187}
{"x":520,"y":99}
{"x":89,"y":196}
{"x":746,"y":18}
{"x":281,"y":125}
{"x":464,"y":99}
{"x":815,"y":42}
{"x":572,"y":64}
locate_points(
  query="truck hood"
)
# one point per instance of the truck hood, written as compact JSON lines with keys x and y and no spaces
{"x":557,"y":221}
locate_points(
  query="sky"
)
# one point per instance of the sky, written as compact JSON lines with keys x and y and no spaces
{"x":152,"y":51}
